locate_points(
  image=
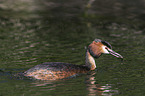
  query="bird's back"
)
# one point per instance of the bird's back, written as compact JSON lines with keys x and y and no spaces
{"x":55,"y":70}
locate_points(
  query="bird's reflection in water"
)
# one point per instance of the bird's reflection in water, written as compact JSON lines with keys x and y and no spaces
{"x":46,"y":85}
{"x":98,"y":89}
{"x":92,"y":86}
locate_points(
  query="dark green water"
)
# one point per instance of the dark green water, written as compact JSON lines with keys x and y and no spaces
{"x":37,"y":31}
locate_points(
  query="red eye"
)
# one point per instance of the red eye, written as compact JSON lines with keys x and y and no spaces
{"x":106,"y":48}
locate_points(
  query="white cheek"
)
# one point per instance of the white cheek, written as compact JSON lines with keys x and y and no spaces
{"x":105,"y":50}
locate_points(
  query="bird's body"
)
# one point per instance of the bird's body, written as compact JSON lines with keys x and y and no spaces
{"x":59,"y":70}
{"x":55,"y":70}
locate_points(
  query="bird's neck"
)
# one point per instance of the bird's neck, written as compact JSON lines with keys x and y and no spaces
{"x":90,"y":62}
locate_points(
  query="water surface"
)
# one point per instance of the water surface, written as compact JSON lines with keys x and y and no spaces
{"x":33,"y":32}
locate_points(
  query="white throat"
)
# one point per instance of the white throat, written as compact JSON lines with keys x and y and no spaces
{"x":90,"y":61}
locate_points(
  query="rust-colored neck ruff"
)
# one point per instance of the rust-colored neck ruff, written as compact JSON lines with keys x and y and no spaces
{"x":90,"y":62}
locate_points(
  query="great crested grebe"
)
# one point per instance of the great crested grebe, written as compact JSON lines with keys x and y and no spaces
{"x":59,"y":70}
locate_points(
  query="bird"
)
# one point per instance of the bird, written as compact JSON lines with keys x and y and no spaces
{"x":60,"y":70}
